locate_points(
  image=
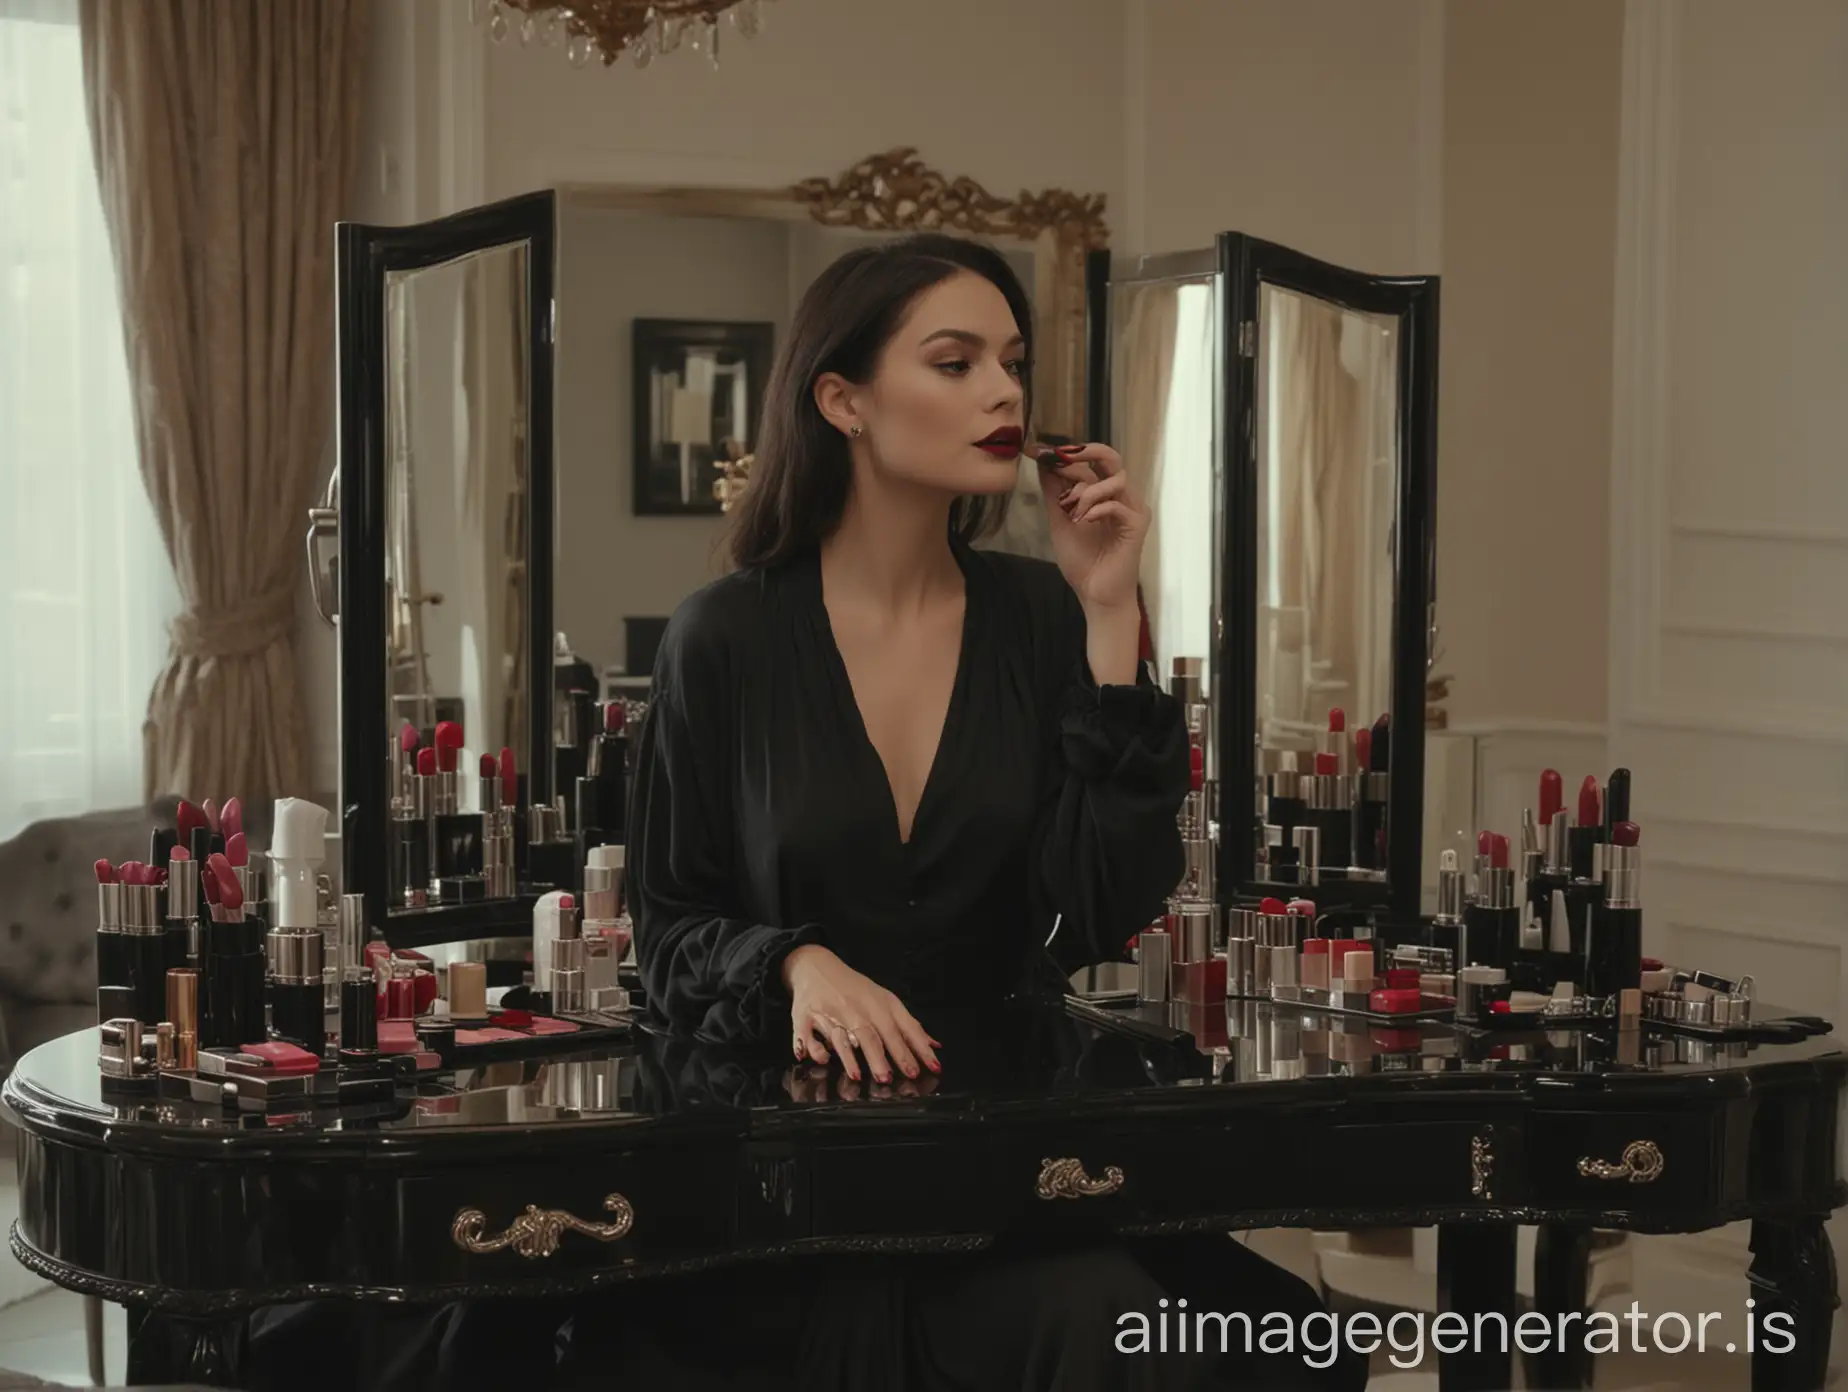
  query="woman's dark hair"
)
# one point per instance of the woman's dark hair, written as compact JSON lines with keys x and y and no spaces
{"x":802,"y":466}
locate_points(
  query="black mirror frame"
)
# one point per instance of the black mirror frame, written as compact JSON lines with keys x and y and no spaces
{"x":1246,"y":263}
{"x":364,"y":256}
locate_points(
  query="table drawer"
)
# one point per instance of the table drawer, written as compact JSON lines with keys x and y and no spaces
{"x":1634,"y":1159}
{"x":1155,"y":1172}
{"x":645,"y":1204}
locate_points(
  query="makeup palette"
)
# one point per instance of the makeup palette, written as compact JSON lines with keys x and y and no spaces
{"x":441,"y":1042}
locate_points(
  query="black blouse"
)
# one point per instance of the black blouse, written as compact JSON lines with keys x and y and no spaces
{"x":761,"y":816}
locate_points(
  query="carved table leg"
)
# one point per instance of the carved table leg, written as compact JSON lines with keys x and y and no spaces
{"x":1562,"y":1258}
{"x":1793,"y":1287}
{"x":1475,"y":1275}
{"x":169,"y":1349}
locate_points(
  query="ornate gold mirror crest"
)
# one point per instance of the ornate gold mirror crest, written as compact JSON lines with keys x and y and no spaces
{"x":897,"y":192}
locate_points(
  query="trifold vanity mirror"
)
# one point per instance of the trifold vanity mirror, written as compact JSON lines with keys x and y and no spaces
{"x":516,"y":530}
{"x":1280,"y":414}
{"x":445,"y":578}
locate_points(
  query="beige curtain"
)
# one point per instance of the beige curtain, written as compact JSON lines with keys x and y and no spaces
{"x":1321,"y":539}
{"x":226,"y":137}
{"x":1146,"y":351}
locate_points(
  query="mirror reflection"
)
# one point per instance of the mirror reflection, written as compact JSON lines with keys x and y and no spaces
{"x":1327,"y":488}
{"x":668,"y":323}
{"x":1164,"y":382}
{"x":456,"y":470}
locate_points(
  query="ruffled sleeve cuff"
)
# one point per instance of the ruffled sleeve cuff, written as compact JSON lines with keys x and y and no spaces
{"x":1109,"y":731}
{"x":767,"y":1001}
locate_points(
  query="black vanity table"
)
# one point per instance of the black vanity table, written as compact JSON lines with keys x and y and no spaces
{"x":656,"y":1155}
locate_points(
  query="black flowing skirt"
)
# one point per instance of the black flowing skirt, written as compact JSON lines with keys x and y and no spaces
{"x":1013,"y":1318}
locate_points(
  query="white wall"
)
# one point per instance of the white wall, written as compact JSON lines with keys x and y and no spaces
{"x":1021,"y":94}
{"x":1307,"y":122}
{"x":1529,"y":206}
{"x":1729,"y":504}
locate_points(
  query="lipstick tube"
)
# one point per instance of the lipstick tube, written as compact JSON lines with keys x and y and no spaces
{"x":1283,"y":796}
{"x":233,"y":1007}
{"x":182,"y":925}
{"x":145,"y":934}
{"x":1330,"y":809}
{"x":410,"y":844}
{"x":114,"y":980}
{"x":1449,"y":928}
{"x":298,"y":999}
{"x":1493,"y":922}
{"x":568,"y":975}
{"x":1614,"y":956}
{"x":1197,"y":877}
{"x":183,"y":1014}
{"x":1306,"y":842}
{"x":1372,"y":795}
{"x":1154,"y":963}
{"x":1199,"y":976}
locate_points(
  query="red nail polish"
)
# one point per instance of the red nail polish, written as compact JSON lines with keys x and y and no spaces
{"x":1070,"y":449}
{"x":935,"y":1067}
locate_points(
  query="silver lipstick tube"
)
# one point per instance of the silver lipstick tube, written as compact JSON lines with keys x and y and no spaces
{"x":1450,"y":897}
{"x":182,"y":889}
{"x":1197,"y":878}
{"x":1495,"y":890}
{"x":109,"y":906}
{"x":1241,"y":966}
{"x":1194,"y":932}
{"x":1328,"y":792}
{"x":1308,"y":843}
{"x":350,"y":950}
{"x":1284,"y":783}
{"x":487,"y":795}
{"x":298,"y":957}
{"x":568,"y":956}
{"x":1559,"y":845}
{"x":1284,"y":982}
{"x":1154,"y":965}
{"x":1187,"y":680}
{"x":1623,"y":877}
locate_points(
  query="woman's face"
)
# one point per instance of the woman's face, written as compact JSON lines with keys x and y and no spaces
{"x":946,"y":404}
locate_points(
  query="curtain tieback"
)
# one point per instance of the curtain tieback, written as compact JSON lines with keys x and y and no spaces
{"x":234,"y":630}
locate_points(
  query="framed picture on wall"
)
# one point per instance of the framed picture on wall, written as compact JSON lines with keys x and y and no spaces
{"x":699,"y":396}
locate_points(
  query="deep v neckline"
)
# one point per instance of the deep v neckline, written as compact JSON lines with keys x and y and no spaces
{"x":946,"y":734}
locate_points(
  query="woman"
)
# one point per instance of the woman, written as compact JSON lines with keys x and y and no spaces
{"x":883,"y":772}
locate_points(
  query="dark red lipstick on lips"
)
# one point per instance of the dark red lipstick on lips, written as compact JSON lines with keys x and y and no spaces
{"x":1004,"y":443}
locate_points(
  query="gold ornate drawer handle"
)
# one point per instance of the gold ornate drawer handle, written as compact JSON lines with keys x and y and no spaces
{"x":1066,"y":1179}
{"x":1642,"y":1163}
{"x":538,"y":1231}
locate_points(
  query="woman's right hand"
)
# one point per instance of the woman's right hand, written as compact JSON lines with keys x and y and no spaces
{"x":832,"y":1005}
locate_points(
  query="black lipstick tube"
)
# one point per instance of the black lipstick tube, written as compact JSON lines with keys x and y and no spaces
{"x":1554,"y":874}
{"x":113,"y":981}
{"x":298,"y":997}
{"x":182,"y":930}
{"x":232,"y":1013}
{"x":1284,"y":806}
{"x":1614,"y":953}
{"x":1493,"y":921}
{"x":1373,"y":792}
{"x":1330,"y":810}
{"x":145,"y":938}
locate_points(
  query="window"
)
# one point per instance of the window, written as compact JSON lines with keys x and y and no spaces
{"x":85,"y":586}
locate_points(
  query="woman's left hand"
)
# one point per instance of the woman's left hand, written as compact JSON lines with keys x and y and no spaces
{"x":1098,"y":522}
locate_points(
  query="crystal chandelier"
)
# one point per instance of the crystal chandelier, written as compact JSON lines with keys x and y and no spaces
{"x":606,"y":29}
